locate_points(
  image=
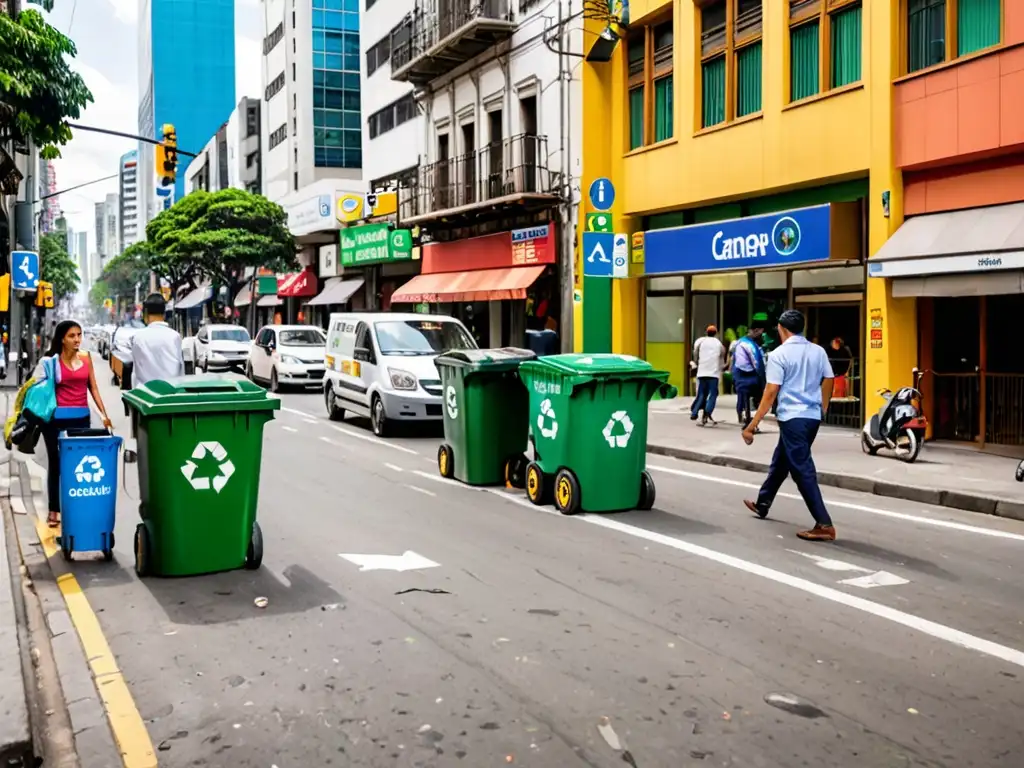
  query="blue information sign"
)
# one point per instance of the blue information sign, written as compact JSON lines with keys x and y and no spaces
{"x":597,"y":254}
{"x":772,"y":240}
{"x":602,"y":194}
{"x":25,"y":270}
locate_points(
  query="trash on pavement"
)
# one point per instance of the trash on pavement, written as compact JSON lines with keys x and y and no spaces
{"x":261,"y":602}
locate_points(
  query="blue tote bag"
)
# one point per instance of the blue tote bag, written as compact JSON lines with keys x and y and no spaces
{"x":41,"y":398}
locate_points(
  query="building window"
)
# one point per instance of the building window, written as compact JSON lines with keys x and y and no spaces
{"x":730,"y":60}
{"x":271,"y":40}
{"x":274,"y":87}
{"x":649,"y":57}
{"x":824,"y":46}
{"x":378,"y":55}
{"x":942,"y":30}
{"x":278,"y":136}
{"x":393,"y":115}
{"x":252,"y":121}
{"x":337,"y":123}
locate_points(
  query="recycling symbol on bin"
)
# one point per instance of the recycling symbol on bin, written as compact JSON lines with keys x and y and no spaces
{"x":201,"y":451}
{"x":451,"y":403}
{"x":547,"y":413}
{"x":89,"y":470}
{"x":618,"y":429}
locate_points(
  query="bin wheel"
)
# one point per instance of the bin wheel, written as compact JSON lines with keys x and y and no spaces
{"x":647,"y":491}
{"x":108,"y":550}
{"x":142,"y":550}
{"x":334,"y":413}
{"x":445,"y":460}
{"x":515,"y":471}
{"x":567,"y":492}
{"x":254,"y":557}
{"x":67,"y":546}
{"x":538,"y":485}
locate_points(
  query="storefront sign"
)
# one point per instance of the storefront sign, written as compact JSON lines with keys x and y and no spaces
{"x":637,"y":248}
{"x":946,"y":265}
{"x":754,"y":242}
{"x":311,"y":215}
{"x":526,"y":243}
{"x":352,"y":207}
{"x":374,"y":244}
{"x":329,"y":266}
{"x":876,"y":328}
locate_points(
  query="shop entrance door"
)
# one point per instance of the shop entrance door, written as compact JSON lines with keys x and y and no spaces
{"x":838,"y":327}
{"x":956,"y":366}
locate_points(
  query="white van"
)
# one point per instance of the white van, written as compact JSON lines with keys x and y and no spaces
{"x":381,"y":365}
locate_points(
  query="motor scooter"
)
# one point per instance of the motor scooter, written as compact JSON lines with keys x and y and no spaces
{"x":899,"y":425}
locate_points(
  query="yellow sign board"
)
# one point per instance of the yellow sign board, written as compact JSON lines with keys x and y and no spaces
{"x":44,"y":295}
{"x":5,"y":292}
{"x":352,"y":208}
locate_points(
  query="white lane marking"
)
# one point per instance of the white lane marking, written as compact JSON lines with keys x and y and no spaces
{"x":828,"y":564}
{"x":859,"y":507}
{"x":876,"y":579}
{"x":310,"y":421}
{"x":286,"y":428}
{"x":422,"y":490}
{"x":372,"y":439}
{"x":407,"y":561}
{"x":925,"y":626}
{"x":394,"y":467}
{"x":327,"y":440}
{"x":298,"y":413}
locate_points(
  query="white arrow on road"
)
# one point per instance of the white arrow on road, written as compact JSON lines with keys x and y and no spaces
{"x":408,"y":561}
{"x":872,"y":579}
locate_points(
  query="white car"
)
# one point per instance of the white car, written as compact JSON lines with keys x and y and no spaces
{"x":288,"y":355}
{"x":222,"y":347}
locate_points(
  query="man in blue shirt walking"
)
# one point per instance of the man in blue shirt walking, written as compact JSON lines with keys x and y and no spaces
{"x":800,"y":377}
{"x":748,"y":371}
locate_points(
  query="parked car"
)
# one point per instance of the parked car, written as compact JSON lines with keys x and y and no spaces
{"x":222,"y":348}
{"x":381,"y":365}
{"x":287,"y":355}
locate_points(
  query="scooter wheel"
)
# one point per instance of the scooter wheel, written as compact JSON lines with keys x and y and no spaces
{"x":865,"y":445}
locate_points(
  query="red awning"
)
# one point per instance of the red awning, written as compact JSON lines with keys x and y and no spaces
{"x":481,"y":285}
{"x":298,"y":284}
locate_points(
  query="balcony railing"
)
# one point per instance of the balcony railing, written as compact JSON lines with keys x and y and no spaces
{"x":515,"y":166}
{"x":439,"y":35}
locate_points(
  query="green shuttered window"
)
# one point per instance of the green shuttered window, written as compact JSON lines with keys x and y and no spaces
{"x":663,"y":109}
{"x":978,"y":25}
{"x":748,"y":80}
{"x":803,"y":54}
{"x":636,"y":117}
{"x":713,"y":92}
{"x":846,"y":46}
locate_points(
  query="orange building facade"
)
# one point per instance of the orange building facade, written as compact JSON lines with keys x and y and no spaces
{"x":955,"y":268}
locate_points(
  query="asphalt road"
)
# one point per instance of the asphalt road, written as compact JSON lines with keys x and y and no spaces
{"x":705,"y":636}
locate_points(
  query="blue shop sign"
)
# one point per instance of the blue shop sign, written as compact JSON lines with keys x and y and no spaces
{"x":754,"y":242}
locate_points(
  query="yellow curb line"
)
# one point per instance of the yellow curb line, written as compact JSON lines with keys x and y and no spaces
{"x":125,"y":720}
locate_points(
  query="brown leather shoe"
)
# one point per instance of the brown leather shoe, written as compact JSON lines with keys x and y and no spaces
{"x":761,"y":512}
{"x":819,"y":533}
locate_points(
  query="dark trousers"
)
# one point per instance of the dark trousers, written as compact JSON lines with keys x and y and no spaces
{"x":707,"y":396}
{"x":793,"y":457}
{"x":748,"y":390}
{"x":50,"y":433}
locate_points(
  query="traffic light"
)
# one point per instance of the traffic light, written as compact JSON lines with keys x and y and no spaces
{"x":167,"y":157}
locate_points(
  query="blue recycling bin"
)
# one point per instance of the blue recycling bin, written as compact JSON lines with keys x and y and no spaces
{"x":88,"y":491}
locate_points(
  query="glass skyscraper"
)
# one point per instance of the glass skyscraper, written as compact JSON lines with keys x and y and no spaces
{"x":337,"y":131}
{"x":186,"y":77}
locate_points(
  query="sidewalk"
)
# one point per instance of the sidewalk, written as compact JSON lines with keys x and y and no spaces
{"x":944,"y":475}
{"x":15,"y":731}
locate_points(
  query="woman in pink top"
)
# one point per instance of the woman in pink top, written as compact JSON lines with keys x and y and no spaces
{"x":75,"y":380}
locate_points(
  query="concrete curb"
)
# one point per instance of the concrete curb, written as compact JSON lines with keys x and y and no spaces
{"x":970,"y":502}
{"x":16,"y":742}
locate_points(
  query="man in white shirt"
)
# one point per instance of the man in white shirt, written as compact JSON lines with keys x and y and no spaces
{"x":156,"y":349}
{"x":709,"y":360}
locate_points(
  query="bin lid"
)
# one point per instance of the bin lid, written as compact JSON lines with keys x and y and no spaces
{"x":191,"y":395}
{"x":502,"y":359}
{"x":596,"y":365}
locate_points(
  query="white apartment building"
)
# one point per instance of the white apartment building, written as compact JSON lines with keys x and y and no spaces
{"x":497,"y":131}
{"x":231,"y":158}
{"x":311,"y":112}
{"x":128,"y":183}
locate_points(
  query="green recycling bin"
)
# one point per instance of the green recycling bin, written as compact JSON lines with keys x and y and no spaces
{"x":485,"y":416}
{"x":588,"y":424}
{"x":200,"y":442}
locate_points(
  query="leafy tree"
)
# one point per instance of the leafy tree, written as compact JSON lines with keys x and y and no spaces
{"x":220,"y":235}
{"x":99,"y":293}
{"x":124,"y":272}
{"x":57,"y":266}
{"x":37,"y":87}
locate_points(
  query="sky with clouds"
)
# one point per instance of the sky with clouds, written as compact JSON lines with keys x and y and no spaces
{"x":106,"y":34}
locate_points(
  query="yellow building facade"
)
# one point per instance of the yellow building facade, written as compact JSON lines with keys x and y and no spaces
{"x":738,"y":120}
